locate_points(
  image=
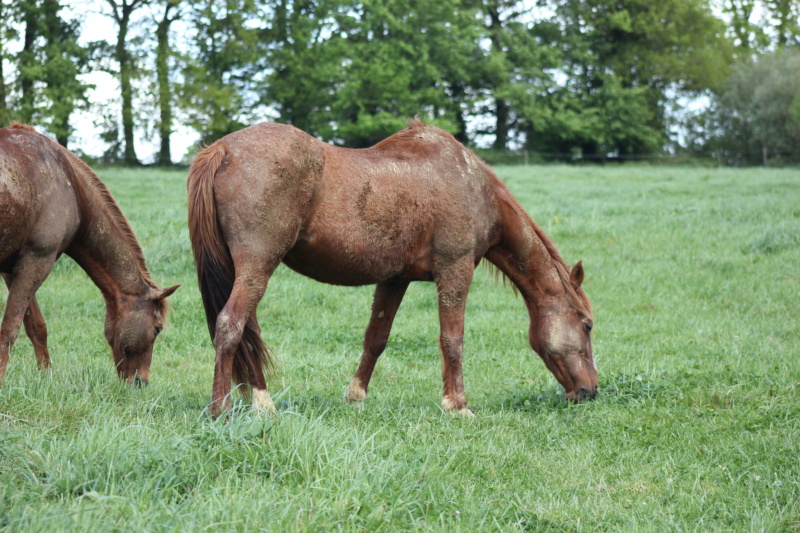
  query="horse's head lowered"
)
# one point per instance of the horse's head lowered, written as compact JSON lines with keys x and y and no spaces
{"x":132,"y":325}
{"x":561,"y":334}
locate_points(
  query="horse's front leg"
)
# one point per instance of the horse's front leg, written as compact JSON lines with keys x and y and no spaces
{"x":452,"y":286}
{"x":29,"y":273}
{"x":385,"y":303}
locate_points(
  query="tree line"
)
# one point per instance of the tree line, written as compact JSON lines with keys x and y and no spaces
{"x":577,"y":77}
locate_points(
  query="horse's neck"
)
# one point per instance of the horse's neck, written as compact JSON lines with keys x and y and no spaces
{"x":101,"y":247}
{"x":522,"y":255}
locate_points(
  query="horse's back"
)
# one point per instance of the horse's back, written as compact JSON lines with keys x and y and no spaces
{"x":353,"y":217}
{"x":398,"y":210}
{"x":38,"y":209}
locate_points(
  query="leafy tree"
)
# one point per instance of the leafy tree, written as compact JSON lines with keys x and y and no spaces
{"x":64,"y":60}
{"x":396,"y":66}
{"x":48,"y":67}
{"x":621,"y":57}
{"x":306,"y":52}
{"x":27,"y":61}
{"x":757,"y":109}
{"x":121,"y":12}
{"x":220,"y":74}
{"x":6,"y":15}
{"x":513,"y":69}
{"x":786,"y":14}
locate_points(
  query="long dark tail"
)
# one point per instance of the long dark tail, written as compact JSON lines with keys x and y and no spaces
{"x":215,"y":269}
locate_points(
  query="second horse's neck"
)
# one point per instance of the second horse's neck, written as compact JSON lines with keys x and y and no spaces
{"x":105,"y":246}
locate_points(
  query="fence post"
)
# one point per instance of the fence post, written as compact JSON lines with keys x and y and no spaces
{"x":764,"y":151}
{"x":525,"y":154}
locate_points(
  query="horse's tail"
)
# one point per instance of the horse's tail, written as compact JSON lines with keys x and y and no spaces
{"x":215,"y":269}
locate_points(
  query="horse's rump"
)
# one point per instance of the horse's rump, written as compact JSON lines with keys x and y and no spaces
{"x":38,"y":204}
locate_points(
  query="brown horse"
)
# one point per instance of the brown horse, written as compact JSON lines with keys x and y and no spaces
{"x":52,"y":203}
{"x":418,"y":206}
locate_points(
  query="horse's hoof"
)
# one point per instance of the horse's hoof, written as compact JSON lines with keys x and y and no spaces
{"x":355,"y":393}
{"x":449,"y":406}
{"x":262,"y":403}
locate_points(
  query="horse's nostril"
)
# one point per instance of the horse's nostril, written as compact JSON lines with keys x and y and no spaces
{"x":582,"y":394}
{"x":139,"y":382}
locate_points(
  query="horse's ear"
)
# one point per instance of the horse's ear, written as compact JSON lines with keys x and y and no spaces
{"x":163,"y":293}
{"x":577,"y":273}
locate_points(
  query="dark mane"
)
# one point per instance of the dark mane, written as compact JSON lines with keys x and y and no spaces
{"x":113,"y":210}
{"x":575,"y":295}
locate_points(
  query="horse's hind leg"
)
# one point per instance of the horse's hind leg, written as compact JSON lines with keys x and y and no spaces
{"x":36,"y":329}
{"x":384,"y":308}
{"x":256,"y":386}
{"x":251,"y":281}
{"x":29,"y":273}
{"x":452,"y":286}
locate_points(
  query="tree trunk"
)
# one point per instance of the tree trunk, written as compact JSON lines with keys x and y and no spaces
{"x":164,"y":92}
{"x":129,"y":154}
{"x":500,"y":105}
{"x":27,"y":60}
{"x":3,"y":107}
{"x":501,"y":128}
{"x":61,"y":97}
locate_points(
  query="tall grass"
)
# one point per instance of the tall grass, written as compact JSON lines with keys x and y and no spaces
{"x":693,"y":275}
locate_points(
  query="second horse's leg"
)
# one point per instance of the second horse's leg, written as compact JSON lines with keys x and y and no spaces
{"x":384,"y":308}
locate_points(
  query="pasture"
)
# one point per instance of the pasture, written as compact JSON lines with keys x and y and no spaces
{"x":694,"y":276}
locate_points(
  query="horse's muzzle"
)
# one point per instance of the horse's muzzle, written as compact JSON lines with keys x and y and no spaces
{"x":583,"y":394}
{"x":139,"y":382}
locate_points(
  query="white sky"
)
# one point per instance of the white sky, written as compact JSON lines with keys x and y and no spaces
{"x":97,"y":26}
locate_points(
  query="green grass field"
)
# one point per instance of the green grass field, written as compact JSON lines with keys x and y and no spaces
{"x":693,"y":276}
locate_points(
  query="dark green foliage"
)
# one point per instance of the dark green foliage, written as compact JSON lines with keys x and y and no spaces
{"x":220,"y":67}
{"x":757,"y":109}
{"x":50,"y":62}
{"x":619,"y":60}
{"x":400,"y":59}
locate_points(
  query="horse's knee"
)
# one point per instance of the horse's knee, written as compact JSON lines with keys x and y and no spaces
{"x":451,"y":345}
{"x":8,"y":336}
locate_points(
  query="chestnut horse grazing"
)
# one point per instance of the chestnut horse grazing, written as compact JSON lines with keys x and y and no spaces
{"x":52,"y":203}
{"x":417,"y":206}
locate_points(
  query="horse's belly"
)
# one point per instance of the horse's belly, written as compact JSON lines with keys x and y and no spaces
{"x":349,"y":264}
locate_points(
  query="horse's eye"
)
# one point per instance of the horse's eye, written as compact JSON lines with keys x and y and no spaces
{"x":588,"y":326}
{"x":158,"y":329}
